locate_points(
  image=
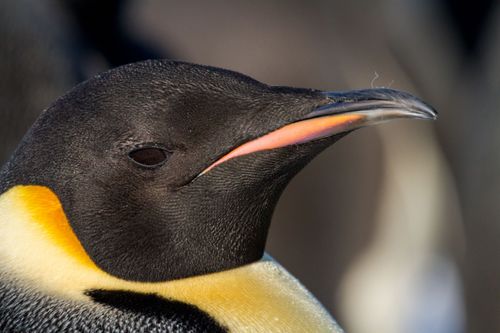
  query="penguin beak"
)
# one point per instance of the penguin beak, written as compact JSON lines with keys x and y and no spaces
{"x":343,"y":112}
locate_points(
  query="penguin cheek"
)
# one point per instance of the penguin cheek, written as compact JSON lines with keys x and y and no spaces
{"x":243,"y":171}
{"x":269,"y":166}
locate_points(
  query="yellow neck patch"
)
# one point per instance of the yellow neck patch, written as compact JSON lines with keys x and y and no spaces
{"x":38,"y":245}
{"x":45,"y":210}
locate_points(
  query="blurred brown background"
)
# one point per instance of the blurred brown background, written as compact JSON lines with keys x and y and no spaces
{"x":395,"y":228}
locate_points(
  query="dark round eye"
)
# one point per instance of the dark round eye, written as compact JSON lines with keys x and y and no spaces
{"x":149,"y":157}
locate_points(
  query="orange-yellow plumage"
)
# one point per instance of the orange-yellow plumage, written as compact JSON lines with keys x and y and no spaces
{"x":46,"y":211}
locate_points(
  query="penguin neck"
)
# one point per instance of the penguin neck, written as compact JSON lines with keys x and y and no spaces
{"x":38,"y":249}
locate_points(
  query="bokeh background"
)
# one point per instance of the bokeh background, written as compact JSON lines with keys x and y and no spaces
{"x":395,"y":228}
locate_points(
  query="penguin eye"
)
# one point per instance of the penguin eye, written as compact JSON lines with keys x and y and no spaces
{"x":149,"y":157}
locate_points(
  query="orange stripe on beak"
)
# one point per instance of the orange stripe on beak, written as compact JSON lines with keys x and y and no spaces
{"x":347,"y":111}
{"x":295,"y":133}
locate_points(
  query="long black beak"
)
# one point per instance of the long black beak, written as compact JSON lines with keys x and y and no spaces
{"x":343,"y":112}
{"x":377,"y":104}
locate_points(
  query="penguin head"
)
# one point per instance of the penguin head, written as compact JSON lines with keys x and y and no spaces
{"x":167,"y":170}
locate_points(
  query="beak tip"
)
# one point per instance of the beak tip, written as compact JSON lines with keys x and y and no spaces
{"x":427,"y":114}
{"x":423,"y":110}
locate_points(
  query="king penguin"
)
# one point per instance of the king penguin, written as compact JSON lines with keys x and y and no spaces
{"x":140,"y":201}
